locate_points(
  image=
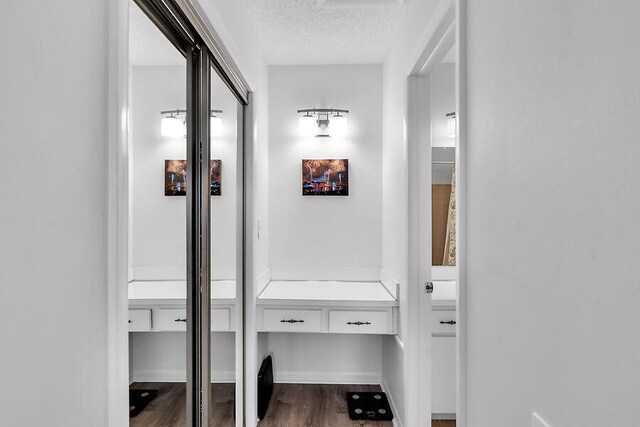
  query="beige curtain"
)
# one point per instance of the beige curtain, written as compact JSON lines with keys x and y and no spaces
{"x":450,"y":242}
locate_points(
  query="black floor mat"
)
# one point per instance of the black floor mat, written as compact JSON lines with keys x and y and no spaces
{"x":139,"y":399}
{"x":369,"y":406}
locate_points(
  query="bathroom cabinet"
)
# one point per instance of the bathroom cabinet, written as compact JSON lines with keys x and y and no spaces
{"x":327,"y":307}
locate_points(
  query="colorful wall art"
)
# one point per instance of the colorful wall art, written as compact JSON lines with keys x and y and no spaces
{"x":175,"y":177}
{"x":325,"y":177}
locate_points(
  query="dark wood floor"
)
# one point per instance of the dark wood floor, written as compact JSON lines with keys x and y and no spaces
{"x":314,"y":405}
{"x":168,"y":408}
{"x":292,"y":405}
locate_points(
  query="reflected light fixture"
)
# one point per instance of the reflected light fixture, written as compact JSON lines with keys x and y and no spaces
{"x":172,"y":126}
{"x":216,"y":125}
{"x":451,"y":125}
{"x":322,"y":122}
{"x":173,"y":123}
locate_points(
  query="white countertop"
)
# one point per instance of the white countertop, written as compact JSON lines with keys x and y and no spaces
{"x":175,"y":292}
{"x":313,"y":292}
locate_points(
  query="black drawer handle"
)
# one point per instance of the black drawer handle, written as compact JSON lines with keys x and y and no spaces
{"x":181,"y":320}
{"x":291,"y":321}
{"x":358,"y":323}
{"x":129,"y":321}
{"x":448,"y":322}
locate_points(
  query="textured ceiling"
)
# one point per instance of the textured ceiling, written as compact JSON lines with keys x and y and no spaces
{"x":330,"y":32}
{"x":147,"y":45}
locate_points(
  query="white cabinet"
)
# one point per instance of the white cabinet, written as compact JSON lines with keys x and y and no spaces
{"x":443,"y":374}
{"x":332,"y":307}
{"x":139,"y":320}
{"x":292,"y":320}
{"x":443,"y":364}
{"x":358,"y":322}
{"x":175,"y":319}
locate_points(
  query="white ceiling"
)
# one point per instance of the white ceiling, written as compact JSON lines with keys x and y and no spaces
{"x":325,"y":31}
{"x":147,"y":45}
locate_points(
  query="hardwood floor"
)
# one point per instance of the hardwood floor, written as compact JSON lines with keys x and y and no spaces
{"x":168,"y":408}
{"x":292,"y":405}
{"x":314,"y":405}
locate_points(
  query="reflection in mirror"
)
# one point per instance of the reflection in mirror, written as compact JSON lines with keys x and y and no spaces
{"x":443,"y":143}
{"x":443,"y":206}
{"x":225,"y":193}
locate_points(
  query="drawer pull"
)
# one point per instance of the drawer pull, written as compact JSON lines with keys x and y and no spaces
{"x":181,"y":320}
{"x":291,"y":321}
{"x":358,"y":323}
{"x":129,"y":321}
{"x":448,"y":322}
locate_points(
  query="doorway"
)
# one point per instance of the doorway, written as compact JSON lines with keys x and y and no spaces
{"x":434,"y":104}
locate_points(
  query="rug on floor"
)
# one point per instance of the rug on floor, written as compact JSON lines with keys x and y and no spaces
{"x":139,"y":399}
{"x":368,"y":406}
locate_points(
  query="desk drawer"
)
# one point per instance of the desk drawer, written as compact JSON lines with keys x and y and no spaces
{"x":276,"y":320}
{"x":443,"y":322}
{"x":358,"y":322}
{"x":170,"y":319}
{"x":140,"y":320}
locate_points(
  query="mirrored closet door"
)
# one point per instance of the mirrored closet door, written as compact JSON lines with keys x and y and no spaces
{"x":185,"y":227}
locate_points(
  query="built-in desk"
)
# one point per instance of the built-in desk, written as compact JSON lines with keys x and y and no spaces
{"x":327,"y":307}
{"x":157,"y":306}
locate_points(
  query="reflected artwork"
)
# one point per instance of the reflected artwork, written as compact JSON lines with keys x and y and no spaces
{"x":175,"y":177}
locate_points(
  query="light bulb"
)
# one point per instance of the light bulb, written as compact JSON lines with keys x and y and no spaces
{"x":216,"y":126}
{"x":307,"y":125}
{"x":338,"y":125}
{"x":171,"y":127}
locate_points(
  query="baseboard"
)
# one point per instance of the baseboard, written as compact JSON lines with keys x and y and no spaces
{"x":294,"y":377}
{"x":443,"y":417}
{"x":397,"y":421}
{"x":178,"y":376}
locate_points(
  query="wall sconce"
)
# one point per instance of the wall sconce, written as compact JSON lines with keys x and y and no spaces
{"x":173,"y":123}
{"x":322,"y":122}
{"x":451,"y":125}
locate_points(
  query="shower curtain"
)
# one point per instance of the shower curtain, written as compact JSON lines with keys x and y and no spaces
{"x":450,"y":242}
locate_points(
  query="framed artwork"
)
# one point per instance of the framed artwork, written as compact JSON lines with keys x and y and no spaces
{"x":175,"y":177}
{"x":325,"y":177}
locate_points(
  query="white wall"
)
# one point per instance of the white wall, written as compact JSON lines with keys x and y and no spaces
{"x":325,"y":358}
{"x":53,"y":134}
{"x":553,"y":201}
{"x":160,"y":356}
{"x":332,"y":231}
{"x":159,"y":221}
{"x":408,"y":45}
{"x":443,"y":101}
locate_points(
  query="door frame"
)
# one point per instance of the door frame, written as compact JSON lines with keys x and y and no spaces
{"x":118,"y":189}
{"x":449,"y":28}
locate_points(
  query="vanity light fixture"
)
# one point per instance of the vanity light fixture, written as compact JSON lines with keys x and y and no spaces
{"x":322,"y":122}
{"x":451,"y":124}
{"x":173,"y":123}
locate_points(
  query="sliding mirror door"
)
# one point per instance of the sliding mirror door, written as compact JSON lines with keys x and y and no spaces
{"x":158,"y":224}
{"x":226,"y":192}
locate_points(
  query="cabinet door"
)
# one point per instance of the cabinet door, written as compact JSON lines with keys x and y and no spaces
{"x":443,"y":369}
